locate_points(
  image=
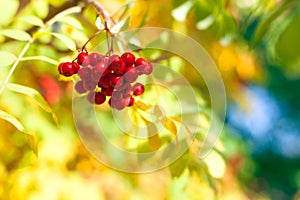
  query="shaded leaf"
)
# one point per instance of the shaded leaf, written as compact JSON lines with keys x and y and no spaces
{"x":33,"y":144}
{"x":31,"y":19}
{"x":35,"y":95}
{"x":154,"y":140}
{"x":71,"y":21}
{"x":16,"y":34}
{"x":159,"y":113}
{"x":14,"y":121}
{"x":6,"y":58}
{"x":66,"y":40}
{"x":264,"y":25}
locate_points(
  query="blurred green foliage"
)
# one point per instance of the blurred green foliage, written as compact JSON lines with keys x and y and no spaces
{"x":254,"y":43}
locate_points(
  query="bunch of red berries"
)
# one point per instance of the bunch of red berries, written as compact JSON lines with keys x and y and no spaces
{"x":108,"y":76}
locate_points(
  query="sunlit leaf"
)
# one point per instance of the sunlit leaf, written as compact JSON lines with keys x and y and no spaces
{"x":41,"y":8}
{"x":159,"y":113}
{"x":216,"y":164}
{"x":170,"y":126}
{"x":35,"y":95}
{"x":42,"y":58}
{"x":6,"y":58}
{"x":31,"y":19}
{"x":178,"y":186}
{"x":66,"y":40}
{"x":8,"y":11}
{"x":71,"y":21}
{"x":121,"y":26}
{"x":11,"y":119}
{"x":181,"y":12}
{"x":142,"y":105}
{"x":15,"y":34}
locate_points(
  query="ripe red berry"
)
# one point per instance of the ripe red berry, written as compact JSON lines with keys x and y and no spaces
{"x":101,"y":67}
{"x":138,"y":89}
{"x":94,"y":58}
{"x":76,"y":67}
{"x":82,"y":57}
{"x":60,"y":67}
{"x":84,"y":73}
{"x":117,"y":64}
{"x":115,"y":80}
{"x":91,"y":97}
{"x":79,"y":87}
{"x":128,"y":58}
{"x":121,"y":104}
{"x":104,"y":81}
{"x":131,"y":101}
{"x":89,"y":85}
{"x":107,"y":91}
{"x":99,"y":98}
{"x":67,"y":69}
{"x":131,"y":74}
{"x":143,"y":66}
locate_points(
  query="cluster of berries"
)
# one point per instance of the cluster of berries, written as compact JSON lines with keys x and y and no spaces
{"x":108,"y":76}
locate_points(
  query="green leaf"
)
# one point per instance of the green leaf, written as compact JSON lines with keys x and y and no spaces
{"x":16,"y":34}
{"x":35,"y":95}
{"x":264,"y":25}
{"x":41,"y":8}
{"x":6,"y":58}
{"x":71,"y":21}
{"x":42,"y":58}
{"x":8,"y":11}
{"x":11,"y":119}
{"x":66,"y":40}
{"x":31,"y":19}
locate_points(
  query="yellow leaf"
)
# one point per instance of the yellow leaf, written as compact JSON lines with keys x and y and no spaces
{"x":159,"y":113}
{"x":170,"y":126}
{"x":138,"y":13}
{"x":32,"y":141}
{"x":216,"y":164}
{"x":154,"y":140}
{"x":142,"y":105}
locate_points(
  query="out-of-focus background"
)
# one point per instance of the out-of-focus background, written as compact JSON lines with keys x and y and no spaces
{"x":254,"y":43}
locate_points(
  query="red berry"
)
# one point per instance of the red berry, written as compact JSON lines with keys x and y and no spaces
{"x":138,"y":89}
{"x":60,"y":67}
{"x":91,"y":97}
{"x":117,"y":64}
{"x":76,"y":67}
{"x":79,"y":87}
{"x":121,"y":104}
{"x":116,"y":95}
{"x":107,"y":91}
{"x":128,"y":58}
{"x":143,"y":66}
{"x":89,"y":85}
{"x":101,"y":67}
{"x":99,"y":98}
{"x":115,"y":80}
{"x":67,"y":69}
{"x":122,"y":85}
{"x":104,"y":81}
{"x":95,"y":58}
{"x":82,"y":57}
{"x":131,"y":74}
{"x":131,"y":101}
{"x":84,"y":73}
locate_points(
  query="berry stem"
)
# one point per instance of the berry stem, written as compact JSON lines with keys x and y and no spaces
{"x":92,"y":37}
